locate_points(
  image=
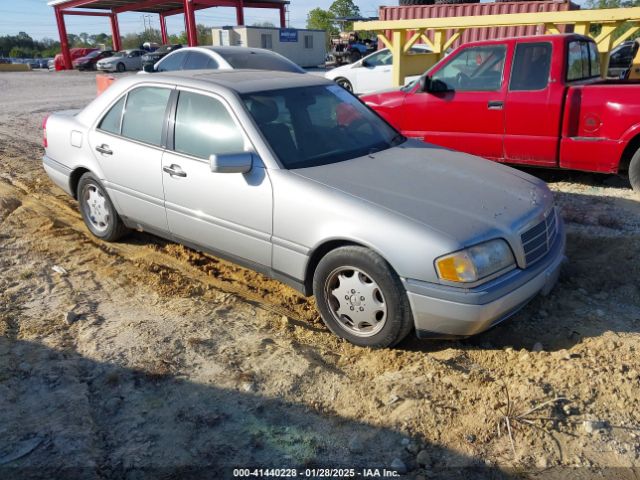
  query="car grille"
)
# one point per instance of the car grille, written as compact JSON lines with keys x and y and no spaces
{"x":537,"y":241}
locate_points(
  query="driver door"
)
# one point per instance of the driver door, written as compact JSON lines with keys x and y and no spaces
{"x":374,"y":72}
{"x":469,"y":115}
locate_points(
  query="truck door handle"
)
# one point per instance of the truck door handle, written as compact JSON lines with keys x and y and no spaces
{"x":104,"y":149}
{"x":174,"y":170}
{"x":495,"y":104}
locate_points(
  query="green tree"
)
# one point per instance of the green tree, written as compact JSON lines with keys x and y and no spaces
{"x":319,"y":19}
{"x":345,"y":8}
{"x":594,"y":31}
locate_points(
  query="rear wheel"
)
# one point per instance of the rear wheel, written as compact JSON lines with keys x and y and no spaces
{"x":634,"y":171}
{"x":97,"y":211}
{"x":344,"y":83}
{"x":361,"y":299}
{"x":121,"y":68}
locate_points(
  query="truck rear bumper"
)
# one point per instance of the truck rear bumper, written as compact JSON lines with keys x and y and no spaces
{"x":440,"y":312}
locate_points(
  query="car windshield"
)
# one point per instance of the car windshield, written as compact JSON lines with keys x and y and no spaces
{"x":119,"y":54}
{"x":313,"y":126}
{"x":93,"y":54}
{"x":259,"y":61}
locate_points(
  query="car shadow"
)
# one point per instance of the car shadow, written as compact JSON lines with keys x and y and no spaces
{"x":65,"y":415}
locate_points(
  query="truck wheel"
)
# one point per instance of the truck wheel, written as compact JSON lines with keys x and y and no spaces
{"x":121,"y":68}
{"x":97,"y":211}
{"x":344,"y":83}
{"x":361,"y":299}
{"x":354,"y":56}
{"x":634,"y":172}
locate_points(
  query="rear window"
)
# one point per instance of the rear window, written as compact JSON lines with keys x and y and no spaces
{"x":583,"y":61}
{"x":260,"y":61}
{"x":531,"y":64}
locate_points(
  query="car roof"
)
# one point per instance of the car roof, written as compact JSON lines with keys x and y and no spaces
{"x":231,"y":49}
{"x":240,"y":81}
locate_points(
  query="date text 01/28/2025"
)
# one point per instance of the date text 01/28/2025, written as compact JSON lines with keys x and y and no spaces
{"x":314,"y":473}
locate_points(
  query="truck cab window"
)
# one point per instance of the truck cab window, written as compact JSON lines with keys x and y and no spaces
{"x":474,"y":69}
{"x":531,"y":65}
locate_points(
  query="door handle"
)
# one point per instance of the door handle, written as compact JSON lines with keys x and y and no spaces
{"x":495,"y":104}
{"x":104,"y":149}
{"x":174,"y":171}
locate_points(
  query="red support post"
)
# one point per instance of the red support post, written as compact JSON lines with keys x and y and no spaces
{"x":240,"y":12}
{"x":163,"y":30}
{"x":283,"y":19}
{"x":115,"y":33}
{"x":190,"y":21}
{"x":64,"y":41}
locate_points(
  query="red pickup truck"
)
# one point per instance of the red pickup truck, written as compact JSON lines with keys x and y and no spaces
{"x":536,"y":101}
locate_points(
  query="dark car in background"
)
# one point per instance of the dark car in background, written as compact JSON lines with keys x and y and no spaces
{"x":88,"y":62}
{"x":152,"y":57}
{"x":620,"y":59}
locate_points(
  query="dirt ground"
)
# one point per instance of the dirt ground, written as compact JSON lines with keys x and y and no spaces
{"x":144,"y":359}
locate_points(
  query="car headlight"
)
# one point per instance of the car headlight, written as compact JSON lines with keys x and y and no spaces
{"x":475,"y":263}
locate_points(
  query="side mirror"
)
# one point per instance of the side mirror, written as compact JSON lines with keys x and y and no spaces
{"x":231,"y":162}
{"x":149,"y":67}
{"x":425,"y":83}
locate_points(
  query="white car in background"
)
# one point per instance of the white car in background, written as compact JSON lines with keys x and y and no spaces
{"x":224,"y":58}
{"x":372,"y":73}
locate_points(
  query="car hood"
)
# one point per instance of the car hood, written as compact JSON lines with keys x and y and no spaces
{"x":459,"y":195}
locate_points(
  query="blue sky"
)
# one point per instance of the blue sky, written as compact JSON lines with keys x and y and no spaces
{"x":36,"y":18}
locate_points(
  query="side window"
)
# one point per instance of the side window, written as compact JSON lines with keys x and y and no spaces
{"x":474,"y":69}
{"x":144,"y":114}
{"x":308,"y":41}
{"x":531,"y":65}
{"x":197,"y":61}
{"x":111,"y":121}
{"x":172,"y":62}
{"x":204,"y":127}
{"x":583,"y":60}
{"x":383,"y":57}
{"x":594,"y":58}
{"x":266,"y":40}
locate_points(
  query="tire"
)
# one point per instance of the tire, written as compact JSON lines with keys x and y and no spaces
{"x":120,"y":67}
{"x":344,"y":83}
{"x":634,"y":172}
{"x":354,"y":56}
{"x":355,"y":279}
{"x":97,"y":210}
{"x":416,"y":2}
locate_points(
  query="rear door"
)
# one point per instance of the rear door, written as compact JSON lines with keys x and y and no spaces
{"x":533,"y":108}
{"x":469,"y":115}
{"x":128,"y":144}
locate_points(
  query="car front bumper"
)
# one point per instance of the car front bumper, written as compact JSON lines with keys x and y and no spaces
{"x":106,"y":68}
{"x":449,"y":312}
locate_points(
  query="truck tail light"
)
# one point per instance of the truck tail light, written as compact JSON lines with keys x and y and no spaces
{"x":45,"y":143}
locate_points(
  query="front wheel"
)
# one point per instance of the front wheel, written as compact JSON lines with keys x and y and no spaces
{"x":354,"y":56}
{"x":121,"y":68}
{"x":634,"y":172}
{"x":361,"y":299}
{"x":97,"y":211}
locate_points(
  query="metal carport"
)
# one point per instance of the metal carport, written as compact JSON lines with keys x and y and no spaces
{"x":164,"y":8}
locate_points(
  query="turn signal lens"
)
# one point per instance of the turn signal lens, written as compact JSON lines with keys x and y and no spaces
{"x":476,"y":263}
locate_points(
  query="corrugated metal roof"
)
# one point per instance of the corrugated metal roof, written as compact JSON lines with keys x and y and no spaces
{"x":472,"y":9}
{"x":167,"y":6}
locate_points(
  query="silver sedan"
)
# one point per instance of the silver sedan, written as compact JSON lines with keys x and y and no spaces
{"x":124,"y":60}
{"x":294,"y":177}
